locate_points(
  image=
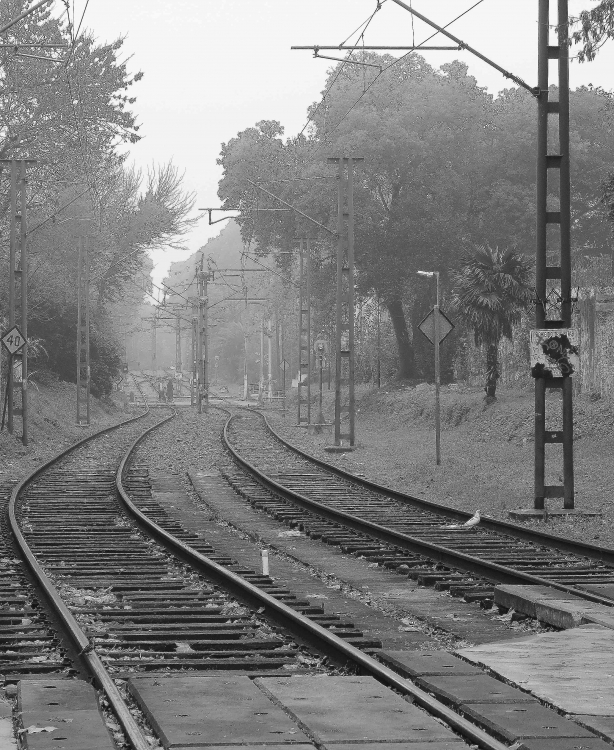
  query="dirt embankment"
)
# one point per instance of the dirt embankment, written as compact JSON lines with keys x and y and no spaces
{"x":487,"y":450}
{"x":51,"y":427}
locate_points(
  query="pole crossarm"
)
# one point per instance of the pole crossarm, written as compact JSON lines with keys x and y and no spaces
{"x":226,"y":218}
{"x":374,"y":47}
{"x":465,"y":46}
{"x":300,"y":213}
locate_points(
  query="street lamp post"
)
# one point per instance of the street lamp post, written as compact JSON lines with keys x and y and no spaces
{"x":430,"y":274}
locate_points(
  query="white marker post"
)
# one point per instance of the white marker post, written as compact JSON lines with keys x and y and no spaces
{"x":265,"y":562}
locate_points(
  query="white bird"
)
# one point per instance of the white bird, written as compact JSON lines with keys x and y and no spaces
{"x":473,"y":521}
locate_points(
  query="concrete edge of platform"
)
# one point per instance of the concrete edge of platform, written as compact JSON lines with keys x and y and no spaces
{"x":553,"y":607}
{"x":543,"y":514}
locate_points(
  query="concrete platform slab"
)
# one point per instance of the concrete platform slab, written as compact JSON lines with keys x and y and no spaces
{"x":564,"y":743}
{"x":71,"y":707}
{"x":573,"y":670}
{"x":419,"y":663}
{"x":7,"y":737}
{"x":480,"y":688}
{"x":199,"y":711}
{"x":353,"y":709}
{"x":454,"y":744}
{"x":517,"y":721}
{"x":601,"y":725}
{"x":553,"y":607}
{"x":603,"y":589}
{"x":237,"y":747}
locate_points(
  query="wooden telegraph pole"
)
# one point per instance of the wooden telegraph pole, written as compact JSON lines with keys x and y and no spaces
{"x":15,"y":340}
{"x":83,"y":332}
{"x":344,"y":375}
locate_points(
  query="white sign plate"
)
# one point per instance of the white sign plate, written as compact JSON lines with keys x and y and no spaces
{"x":555,"y":352}
{"x":13,"y":340}
{"x":427,"y":326}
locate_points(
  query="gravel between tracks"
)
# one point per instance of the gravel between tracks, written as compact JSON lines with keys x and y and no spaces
{"x":188,"y":442}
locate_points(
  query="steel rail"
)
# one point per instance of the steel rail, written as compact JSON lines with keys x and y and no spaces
{"x":310,"y":631}
{"x":444,"y":555}
{"x":561,"y":544}
{"x":84,"y":647}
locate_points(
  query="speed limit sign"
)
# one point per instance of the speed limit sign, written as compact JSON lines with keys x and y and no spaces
{"x":13,"y":341}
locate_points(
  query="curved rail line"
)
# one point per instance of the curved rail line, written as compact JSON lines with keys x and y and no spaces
{"x":101,"y":677}
{"x":285,"y":486}
{"x":311,"y":631}
{"x":327,"y":641}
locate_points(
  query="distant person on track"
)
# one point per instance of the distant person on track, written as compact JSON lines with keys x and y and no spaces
{"x":169,"y":391}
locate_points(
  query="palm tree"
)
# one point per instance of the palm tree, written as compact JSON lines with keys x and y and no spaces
{"x":491,"y":289}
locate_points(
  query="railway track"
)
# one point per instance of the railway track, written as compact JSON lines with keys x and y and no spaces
{"x":136,"y":593}
{"x":403,"y":532}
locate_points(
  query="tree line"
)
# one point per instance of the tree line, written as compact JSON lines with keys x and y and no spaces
{"x":76,"y":118}
{"x":448,"y":169}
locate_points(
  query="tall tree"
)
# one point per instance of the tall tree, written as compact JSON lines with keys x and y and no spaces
{"x":446,"y":166}
{"x":491,"y":289}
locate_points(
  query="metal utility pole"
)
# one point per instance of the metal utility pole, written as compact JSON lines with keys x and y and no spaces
{"x":304,"y":334}
{"x":344,"y":375}
{"x":17,"y":374}
{"x":154,"y":342}
{"x":178,"y":363}
{"x":270,"y":382}
{"x":560,"y":273}
{"x":261,"y":379}
{"x":245,"y":379}
{"x":202,"y":344}
{"x":379,"y":343}
{"x":551,"y":334}
{"x":83,"y":332}
{"x":194,"y":369}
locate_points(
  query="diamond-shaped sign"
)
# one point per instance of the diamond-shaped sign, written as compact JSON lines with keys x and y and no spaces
{"x":13,"y":340}
{"x":427,"y":326}
{"x":284,"y":365}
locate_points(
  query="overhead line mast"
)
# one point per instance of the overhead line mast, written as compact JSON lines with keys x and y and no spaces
{"x":561,"y":332}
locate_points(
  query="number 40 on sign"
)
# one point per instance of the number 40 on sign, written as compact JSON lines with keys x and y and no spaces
{"x":13,"y":341}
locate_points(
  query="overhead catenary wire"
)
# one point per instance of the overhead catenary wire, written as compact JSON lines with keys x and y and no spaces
{"x":168,"y":309}
{"x":379,"y":75}
{"x":364,"y":26}
{"x":87,"y":2}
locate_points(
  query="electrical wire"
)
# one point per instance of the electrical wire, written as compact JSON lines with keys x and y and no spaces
{"x":384,"y":70}
{"x":272,"y":270}
{"x":82,"y":17}
{"x":365,"y":24}
{"x":149,"y":294}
